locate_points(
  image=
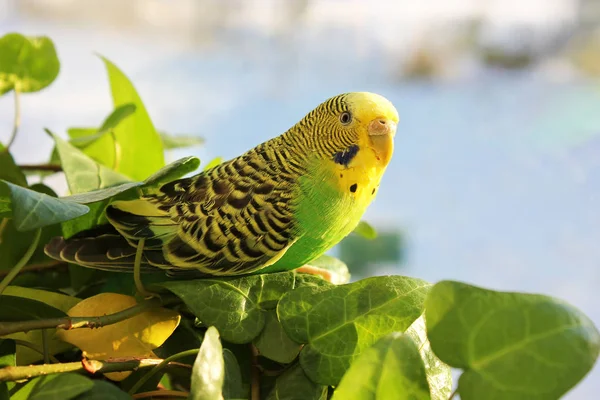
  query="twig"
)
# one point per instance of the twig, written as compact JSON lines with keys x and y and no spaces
{"x":17,"y":120}
{"x":255,"y":385}
{"x":159,"y":367}
{"x":160,"y":393}
{"x":33,"y":347}
{"x":3,"y":223}
{"x":17,"y":268}
{"x":89,"y":366}
{"x":67,"y":323}
{"x":38,"y":267}
{"x":453,"y":394}
{"x":41,"y":167}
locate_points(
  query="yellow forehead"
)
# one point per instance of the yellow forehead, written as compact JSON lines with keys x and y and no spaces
{"x":367,"y":106}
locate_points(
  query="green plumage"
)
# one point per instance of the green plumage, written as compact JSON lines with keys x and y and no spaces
{"x":274,"y":208}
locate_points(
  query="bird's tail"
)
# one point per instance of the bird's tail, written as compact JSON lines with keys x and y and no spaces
{"x":112,"y":247}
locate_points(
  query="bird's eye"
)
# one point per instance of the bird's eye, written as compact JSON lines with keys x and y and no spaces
{"x":345,"y":118}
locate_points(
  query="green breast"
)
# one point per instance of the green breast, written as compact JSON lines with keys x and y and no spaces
{"x":325,"y":215}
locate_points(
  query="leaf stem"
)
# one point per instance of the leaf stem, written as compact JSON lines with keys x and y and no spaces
{"x":3,"y":223}
{"x":453,"y":394}
{"x":89,"y":366}
{"x":255,"y":385}
{"x":17,"y":120}
{"x":160,"y":393}
{"x":41,"y":167}
{"x":68,"y":323}
{"x":37,"y":267}
{"x":17,"y":268}
{"x":34,"y":348}
{"x":136,"y":270}
{"x":159,"y":367}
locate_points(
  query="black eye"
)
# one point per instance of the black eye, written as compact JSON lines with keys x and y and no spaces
{"x":345,"y":118}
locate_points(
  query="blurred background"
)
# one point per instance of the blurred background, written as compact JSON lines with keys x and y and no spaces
{"x":496,"y":176}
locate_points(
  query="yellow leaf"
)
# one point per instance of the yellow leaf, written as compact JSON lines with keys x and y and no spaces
{"x":134,"y":337}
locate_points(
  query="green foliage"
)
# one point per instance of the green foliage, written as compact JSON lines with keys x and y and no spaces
{"x":209,"y":369}
{"x":338,"y":323}
{"x":287,"y":335}
{"x":510,"y":345}
{"x":27,"y":64}
{"x":390,"y":369}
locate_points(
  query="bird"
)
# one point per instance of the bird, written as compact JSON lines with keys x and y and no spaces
{"x":274,"y":208}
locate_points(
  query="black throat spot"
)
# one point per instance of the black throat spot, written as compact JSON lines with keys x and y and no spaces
{"x":345,"y":156}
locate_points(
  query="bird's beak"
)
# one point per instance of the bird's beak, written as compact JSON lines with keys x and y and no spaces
{"x":381,"y":134}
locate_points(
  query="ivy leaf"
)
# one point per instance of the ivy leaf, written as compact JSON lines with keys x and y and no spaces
{"x":103,"y":390}
{"x":141,"y":146}
{"x":233,"y":385}
{"x":171,"y":142}
{"x":365,"y":230}
{"x":209,"y":369}
{"x":31,"y":209}
{"x":21,"y":309}
{"x":274,"y":343}
{"x":63,"y":386}
{"x":237,"y":306}
{"x":439,"y":374}
{"x":391,"y":369}
{"x":9,"y":170}
{"x":510,"y":345}
{"x":294,"y":384}
{"x":29,"y":63}
{"x":339,"y":323}
{"x":84,"y":174}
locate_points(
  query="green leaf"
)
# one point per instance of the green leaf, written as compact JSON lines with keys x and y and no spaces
{"x":174,"y":170}
{"x":237,"y":306}
{"x":209,"y":369}
{"x":21,"y":309}
{"x":84,"y":174}
{"x":232,"y":385}
{"x":8,"y":358}
{"x":439,"y":374}
{"x":99,"y":144}
{"x":60,"y":387}
{"x":293,"y":384}
{"x":274,"y":343}
{"x":510,"y":345}
{"x":166,"y":174}
{"x":33,"y":210}
{"x":140,"y":144}
{"x":391,"y":369}
{"x":365,"y":230}
{"x":103,"y":390}
{"x":337,"y":269}
{"x":339,"y":323}
{"x":9,"y":170}
{"x":213,"y":163}
{"x":29,"y":63}
{"x":58,"y":302}
{"x":171,"y":142}
{"x":101,"y":194}
{"x":10,"y":173}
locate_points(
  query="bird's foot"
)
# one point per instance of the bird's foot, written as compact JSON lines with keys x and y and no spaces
{"x":323,"y":273}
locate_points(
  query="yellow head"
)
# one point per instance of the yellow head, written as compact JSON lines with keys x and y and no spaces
{"x":362,"y":119}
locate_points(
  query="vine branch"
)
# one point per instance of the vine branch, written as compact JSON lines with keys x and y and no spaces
{"x":17,"y":120}
{"x":17,"y":268}
{"x":41,"y":167}
{"x":159,"y":367}
{"x":85,"y":365}
{"x":38,"y":267}
{"x":67,"y":323}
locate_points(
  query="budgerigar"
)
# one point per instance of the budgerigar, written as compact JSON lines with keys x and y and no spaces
{"x":274,"y":208}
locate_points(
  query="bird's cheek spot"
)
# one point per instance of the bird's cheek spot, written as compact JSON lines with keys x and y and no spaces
{"x":373,"y":192}
{"x":353,"y":188}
